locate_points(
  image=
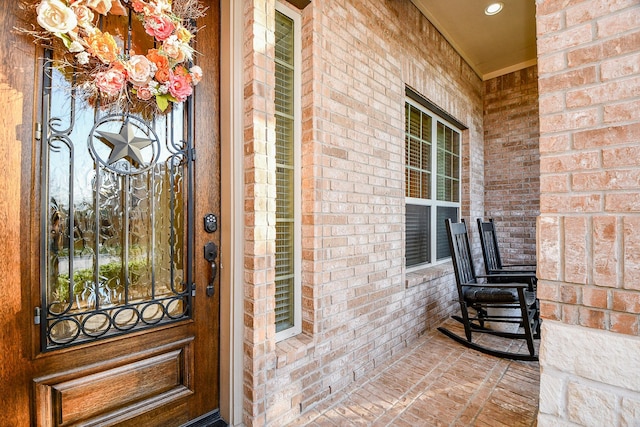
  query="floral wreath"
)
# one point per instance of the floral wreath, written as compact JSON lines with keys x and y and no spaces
{"x":160,"y":77}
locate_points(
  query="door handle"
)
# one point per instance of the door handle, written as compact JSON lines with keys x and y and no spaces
{"x":210,"y":254}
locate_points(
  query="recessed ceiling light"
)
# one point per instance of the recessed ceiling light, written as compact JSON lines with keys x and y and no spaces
{"x":493,"y":8}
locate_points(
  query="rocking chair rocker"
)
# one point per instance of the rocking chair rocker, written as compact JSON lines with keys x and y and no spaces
{"x":480,"y":301}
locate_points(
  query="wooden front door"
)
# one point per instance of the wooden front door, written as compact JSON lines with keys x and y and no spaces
{"x":109,"y":302}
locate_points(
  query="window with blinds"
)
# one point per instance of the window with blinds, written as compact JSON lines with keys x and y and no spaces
{"x":287,"y":307}
{"x":432,"y":184}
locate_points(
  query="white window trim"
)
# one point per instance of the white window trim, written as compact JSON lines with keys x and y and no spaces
{"x":294,"y":15}
{"x":433,"y":202}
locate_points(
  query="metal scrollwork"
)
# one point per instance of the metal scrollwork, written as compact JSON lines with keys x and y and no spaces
{"x":116,"y":209}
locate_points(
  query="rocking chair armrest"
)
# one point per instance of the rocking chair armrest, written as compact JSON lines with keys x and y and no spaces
{"x":512,"y":285}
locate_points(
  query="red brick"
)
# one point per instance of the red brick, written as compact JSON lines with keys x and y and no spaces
{"x":550,"y":310}
{"x":554,"y":183}
{"x":631,"y":253}
{"x":624,"y":323}
{"x":613,"y":135}
{"x":620,"y":157}
{"x":570,"y":204}
{"x":570,"y":120}
{"x":548,"y":247}
{"x":575,"y":250}
{"x":552,"y":63}
{"x":552,"y":7}
{"x":614,"y":91}
{"x":605,"y":251}
{"x":592,"y":318}
{"x":567,"y":80}
{"x":619,"y":23}
{"x":622,"y":202}
{"x":626,"y":301}
{"x":567,"y":38}
{"x":570,"y":162}
{"x":548,"y":291}
{"x":568,"y":294}
{"x":622,"y":112}
{"x":570,"y":314}
{"x":593,"y":297}
{"x":554,"y":143}
{"x":620,"y":179}
{"x":620,"y":67}
{"x":584,"y":55}
{"x":622,"y":45}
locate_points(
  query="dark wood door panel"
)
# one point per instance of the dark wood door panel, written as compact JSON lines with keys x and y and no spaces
{"x":121,"y":388}
{"x":162,"y":376}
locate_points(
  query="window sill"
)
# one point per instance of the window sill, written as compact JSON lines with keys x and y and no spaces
{"x":292,"y":349}
{"x":427,"y":274}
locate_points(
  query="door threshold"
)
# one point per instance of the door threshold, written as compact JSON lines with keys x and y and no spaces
{"x":212,"y":419}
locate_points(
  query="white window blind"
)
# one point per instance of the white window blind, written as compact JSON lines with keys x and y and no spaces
{"x":287,"y":279}
{"x":432,"y":183}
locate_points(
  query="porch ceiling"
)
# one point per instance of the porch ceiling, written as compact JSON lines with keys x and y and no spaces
{"x":492,"y":45}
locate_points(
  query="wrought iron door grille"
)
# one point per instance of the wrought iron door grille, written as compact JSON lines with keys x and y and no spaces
{"x":117,"y":213}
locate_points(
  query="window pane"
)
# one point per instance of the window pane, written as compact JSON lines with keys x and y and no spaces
{"x":285,"y":199}
{"x":417,"y":153}
{"x":442,"y":241}
{"x":417,"y":246}
{"x":448,"y":164}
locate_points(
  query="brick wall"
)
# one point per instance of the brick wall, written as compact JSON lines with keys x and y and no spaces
{"x":588,"y":244}
{"x":359,"y":306}
{"x":512,"y":162}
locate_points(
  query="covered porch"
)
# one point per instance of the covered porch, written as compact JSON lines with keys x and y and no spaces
{"x":435,"y":381}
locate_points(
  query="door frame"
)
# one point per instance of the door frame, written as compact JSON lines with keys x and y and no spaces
{"x":232,"y":219}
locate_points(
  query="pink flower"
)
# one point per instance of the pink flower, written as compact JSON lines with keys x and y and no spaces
{"x":179,"y":87}
{"x":83,"y":14}
{"x":144,"y":93}
{"x":111,"y":82}
{"x":159,"y":27}
{"x":139,"y":70}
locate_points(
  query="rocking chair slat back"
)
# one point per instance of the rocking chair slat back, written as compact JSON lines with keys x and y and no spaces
{"x":482,"y":300}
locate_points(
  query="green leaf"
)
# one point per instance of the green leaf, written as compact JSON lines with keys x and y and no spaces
{"x":65,"y":39}
{"x":162,"y":101}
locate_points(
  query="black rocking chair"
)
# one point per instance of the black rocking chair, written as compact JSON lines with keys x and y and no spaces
{"x":480,"y":300}
{"x":491,"y":252}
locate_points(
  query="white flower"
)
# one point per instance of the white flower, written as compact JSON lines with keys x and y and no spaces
{"x":75,"y":47}
{"x":177,"y":50}
{"x":56,"y":17}
{"x":196,"y":74}
{"x":83,"y":58}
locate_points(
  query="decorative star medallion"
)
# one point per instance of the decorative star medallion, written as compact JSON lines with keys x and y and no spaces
{"x":125,"y":145}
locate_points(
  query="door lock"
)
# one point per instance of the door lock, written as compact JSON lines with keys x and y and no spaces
{"x":210,"y":254}
{"x":210,"y":223}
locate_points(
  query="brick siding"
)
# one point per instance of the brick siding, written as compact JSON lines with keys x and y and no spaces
{"x":512,"y":162}
{"x":588,"y":245}
{"x":590,"y":172}
{"x":359,"y":306}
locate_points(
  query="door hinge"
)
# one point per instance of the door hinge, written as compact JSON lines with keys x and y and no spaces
{"x":38,"y":131}
{"x":193,"y":290}
{"x":36,"y":316}
{"x":192,"y":154}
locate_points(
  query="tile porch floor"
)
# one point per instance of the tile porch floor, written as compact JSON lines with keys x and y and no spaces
{"x":437,"y":382}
